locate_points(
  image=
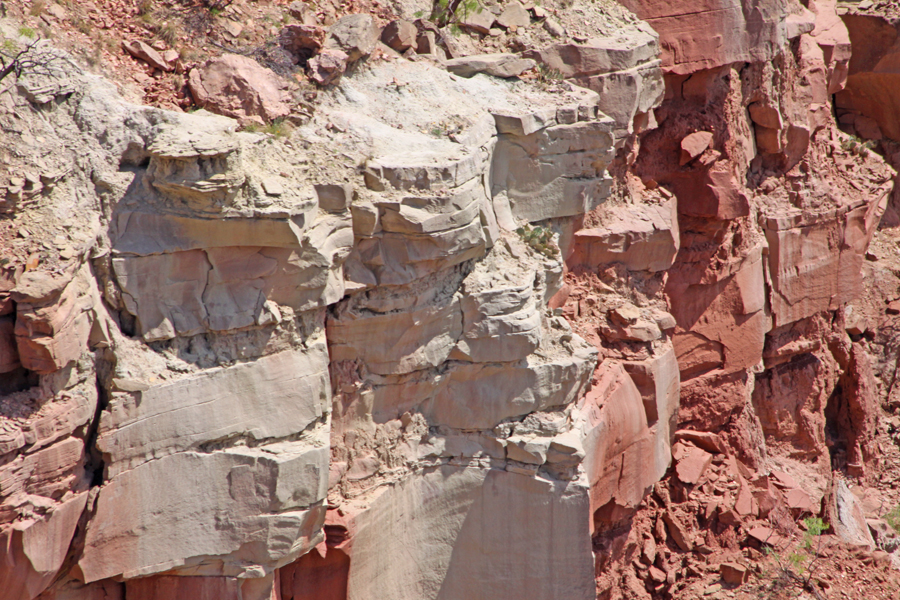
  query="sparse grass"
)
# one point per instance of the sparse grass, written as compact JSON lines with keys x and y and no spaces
{"x":27,"y":32}
{"x":9,"y":45}
{"x":892,"y":518}
{"x":145,"y":7}
{"x":278,"y":128}
{"x":37,"y":7}
{"x":539,"y":238}
{"x":452,"y":12}
{"x":549,"y":75}
{"x":857,"y":146}
{"x":168,"y":32}
{"x":791,"y":569}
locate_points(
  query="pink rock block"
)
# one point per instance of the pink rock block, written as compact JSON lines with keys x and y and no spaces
{"x":165,"y":587}
{"x":694,"y":145}
{"x":816,"y":262}
{"x":694,"y":37}
{"x":33,"y":549}
{"x":146,"y":53}
{"x":239,"y":87}
{"x":693,"y":464}
{"x":643,"y":237}
{"x":622,"y":458}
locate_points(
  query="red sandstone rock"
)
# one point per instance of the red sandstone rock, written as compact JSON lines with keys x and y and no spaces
{"x":300,"y":39}
{"x":9,"y":354}
{"x":399,"y":35}
{"x":767,"y":535}
{"x":707,"y":440}
{"x":694,"y":145}
{"x":693,"y":464}
{"x":678,"y":531}
{"x":717,"y":34}
{"x":146,"y":53}
{"x":327,"y":67}
{"x":734,"y":573}
{"x":239,"y":87}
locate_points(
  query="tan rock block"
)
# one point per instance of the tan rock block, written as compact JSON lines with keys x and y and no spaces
{"x":34,"y":549}
{"x":643,"y":237}
{"x":213,"y":405}
{"x":227,"y":513}
{"x":471,"y":528}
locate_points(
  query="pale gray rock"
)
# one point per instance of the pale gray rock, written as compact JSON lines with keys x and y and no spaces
{"x":514,"y":15}
{"x":213,"y":405}
{"x":470,"y":534}
{"x":555,"y":172}
{"x":847,"y":517}
{"x":498,"y":65}
{"x":234,"y":512}
{"x":355,"y":35}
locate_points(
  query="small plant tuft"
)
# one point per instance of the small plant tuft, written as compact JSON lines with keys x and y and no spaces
{"x":37,"y":7}
{"x":802,"y":560}
{"x":27,"y":32}
{"x":892,"y":518}
{"x":452,"y":12}
{"x":540,"y":239}
{"x":857,"y":146}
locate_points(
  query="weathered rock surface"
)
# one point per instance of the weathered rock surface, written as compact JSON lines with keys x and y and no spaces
{"x":472,"y":329}
{"x":236,"y":86}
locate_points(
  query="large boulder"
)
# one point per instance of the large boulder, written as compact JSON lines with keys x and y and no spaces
{"x":354,"y":35}
{"x":239,"y":87}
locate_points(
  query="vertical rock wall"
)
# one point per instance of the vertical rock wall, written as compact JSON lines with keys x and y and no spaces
{"x":438,"y":343}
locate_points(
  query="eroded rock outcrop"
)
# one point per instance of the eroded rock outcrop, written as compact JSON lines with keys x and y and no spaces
{"x":526,"y":324}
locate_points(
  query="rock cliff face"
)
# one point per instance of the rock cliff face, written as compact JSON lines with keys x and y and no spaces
{"x":439,"y":342}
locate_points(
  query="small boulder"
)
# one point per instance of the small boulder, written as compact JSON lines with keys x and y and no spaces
{"x":354,"y":35}
{"x":554,"y":28}
{"x":694,"y":145}
{"x":847,"y":518}
{"x":146,"y":53}
{"x":239,"y":87}
{"x":302,"y":12}
{"x":477,"y":20}
{"x":328,"y":66}
{"x":399,"y":35}
{"x":693,"y":464}
{"x":514,"y":16}
{"x":302,"y":39}
{"x":734,"y":573}
{"x":498,"y":65}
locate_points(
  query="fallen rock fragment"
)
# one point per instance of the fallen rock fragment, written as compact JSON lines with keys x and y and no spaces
{"x":354,"y":35}
{"x":301,"y":39}
{"x":694,"y":145}
{"x":327,"y":66}
{"x":239,"y":87}
{"x":399,"y":35}
{"x":498,"y":65}
{"x":514,"y":16}
{"x":734,"y":573}
{"x":478,"y":20}
{"x":678,"y":531}
{"x":146,"y":53}
{"x":692,"y":464}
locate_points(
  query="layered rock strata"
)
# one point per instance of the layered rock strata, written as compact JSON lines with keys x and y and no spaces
{"x":439,"y":341}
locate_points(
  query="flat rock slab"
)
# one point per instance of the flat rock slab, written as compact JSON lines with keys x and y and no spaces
{"x":498,"y":65}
